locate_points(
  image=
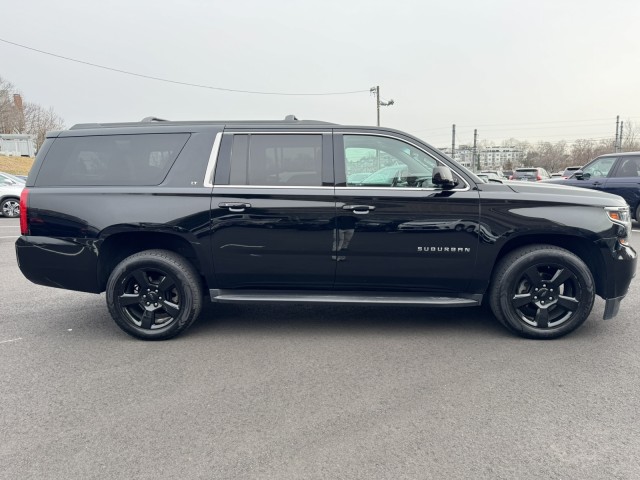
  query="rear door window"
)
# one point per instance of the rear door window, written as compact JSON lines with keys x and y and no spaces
{"x":629,"y":167}
{"x":276,"y":160}
{"x":111,"y":160}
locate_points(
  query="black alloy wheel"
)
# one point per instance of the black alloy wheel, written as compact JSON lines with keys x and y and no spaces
{"x":542,"y":291}
{"x":154,"y":295}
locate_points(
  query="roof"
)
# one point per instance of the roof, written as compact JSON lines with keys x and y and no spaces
{"x":290,"y":120}
{"x":619,"y":154}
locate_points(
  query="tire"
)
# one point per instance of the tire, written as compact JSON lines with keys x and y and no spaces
{"x":542,"y":292}
{"x":10,"y":207}
{"x":154,"y":294}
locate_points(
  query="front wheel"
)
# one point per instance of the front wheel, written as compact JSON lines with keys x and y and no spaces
{"x":10,"y":207}
{"x":542,"y":291}
{"x":154,"y":294}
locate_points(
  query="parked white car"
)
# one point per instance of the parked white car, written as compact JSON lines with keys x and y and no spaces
{"x":10,"y":190}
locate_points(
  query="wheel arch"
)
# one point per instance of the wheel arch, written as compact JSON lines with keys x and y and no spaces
{"x":583,"y":248}
{"x":119,"y":246}
{"x":10,"y":197}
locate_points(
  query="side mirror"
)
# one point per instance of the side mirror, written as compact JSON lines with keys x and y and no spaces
{"x":443,"y":177}
{"x":578,"y":175}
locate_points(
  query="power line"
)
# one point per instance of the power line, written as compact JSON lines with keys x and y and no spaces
{"x":604,"y":121}
{"x":150,"y":77}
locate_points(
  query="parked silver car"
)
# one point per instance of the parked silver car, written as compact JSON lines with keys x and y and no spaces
{"x":10,"y":190}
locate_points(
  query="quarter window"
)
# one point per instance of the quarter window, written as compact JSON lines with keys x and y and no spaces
{"x":117,"y":160}
{"x":276,"y":160}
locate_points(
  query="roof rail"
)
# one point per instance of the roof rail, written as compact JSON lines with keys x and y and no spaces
{"x":154,"y":119}
{"x":290,"y":118}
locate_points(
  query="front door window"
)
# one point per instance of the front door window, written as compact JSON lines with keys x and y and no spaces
{"x":599,"y":167}
{"x":373,"y":161}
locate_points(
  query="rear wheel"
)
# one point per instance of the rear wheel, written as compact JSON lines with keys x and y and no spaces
{"x":154,"y":294}
{"x":10,"y":207}
{"x":542,"y":291}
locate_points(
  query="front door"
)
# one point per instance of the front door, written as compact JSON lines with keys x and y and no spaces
{"x":625,"y":181}
{"x":594,"y":175}
{"x":395,"y":229}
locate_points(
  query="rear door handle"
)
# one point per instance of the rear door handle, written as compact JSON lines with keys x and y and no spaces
{"x":234,"y":207}
{"x":359,"y":209}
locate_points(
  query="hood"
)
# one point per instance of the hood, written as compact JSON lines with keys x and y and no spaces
{"x":565,"y":193}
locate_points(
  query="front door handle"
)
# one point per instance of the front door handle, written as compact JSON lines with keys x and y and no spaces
{"x":359,"y":209}
{"x":235,"y":207}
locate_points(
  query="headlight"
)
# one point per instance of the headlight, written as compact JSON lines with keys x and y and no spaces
{"x":621,"y":216}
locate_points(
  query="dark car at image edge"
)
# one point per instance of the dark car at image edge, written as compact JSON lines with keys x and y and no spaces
{"x":616,"y":173}
{"x":161,"y":215}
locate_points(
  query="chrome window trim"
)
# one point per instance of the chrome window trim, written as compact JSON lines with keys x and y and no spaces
{"x":404,"y":189}
{"x":298,"y":132}
{"x":234,"y":132}
{"x":394,"y":137}
{"x":216,"y":148}
{"x":278,"y":187}
{"x":213,"y":159}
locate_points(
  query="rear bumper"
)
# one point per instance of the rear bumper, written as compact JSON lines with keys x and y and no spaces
{"x":60,"y":263}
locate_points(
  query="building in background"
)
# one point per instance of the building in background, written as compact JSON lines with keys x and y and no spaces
{"x":17,"y":144}
{"x":491,"y":158}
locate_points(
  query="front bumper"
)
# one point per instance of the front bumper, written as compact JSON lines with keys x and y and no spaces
{"x":611,"y":307}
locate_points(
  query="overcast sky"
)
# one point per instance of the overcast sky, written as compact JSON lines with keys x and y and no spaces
{"x":535,"y":70}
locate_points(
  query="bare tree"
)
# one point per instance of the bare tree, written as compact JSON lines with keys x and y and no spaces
{"x":582,"y":151}
{"x":26,"y":117}
{"x":10,"y":115}
{"x":630,"y":137}
{"x":38,"y":121}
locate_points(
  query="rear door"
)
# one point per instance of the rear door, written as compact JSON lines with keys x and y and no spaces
{"x":273,"y":210}
{"x":625,"y":180}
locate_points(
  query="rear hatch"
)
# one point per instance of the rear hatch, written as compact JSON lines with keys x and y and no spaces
{"x":526,"y":175}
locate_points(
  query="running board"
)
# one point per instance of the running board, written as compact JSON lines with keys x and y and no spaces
{"x":378,"y":298}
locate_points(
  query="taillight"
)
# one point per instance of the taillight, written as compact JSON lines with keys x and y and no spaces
{"x":510,"y":177}
{"x":538,"y":178}
{"x":24,"y":225}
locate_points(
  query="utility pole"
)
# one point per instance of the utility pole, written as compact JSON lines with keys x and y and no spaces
{"x":475,"y":150}
{"x":453,"y":141}
{"x":376,"y":91}
{"x":615,"y":145}
{"x":620,"y":138}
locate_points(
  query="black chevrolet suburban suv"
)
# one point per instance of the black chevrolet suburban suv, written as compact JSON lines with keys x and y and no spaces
{"x":162,"y":214}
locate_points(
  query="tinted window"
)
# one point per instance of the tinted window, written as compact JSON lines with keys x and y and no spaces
{"x":526,"y":173}
{"x":279,"y":160}
{"x":629,"y":167}
{"x":111,"y":160}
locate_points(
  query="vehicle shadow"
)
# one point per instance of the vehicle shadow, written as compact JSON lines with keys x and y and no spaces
{"x":337,"y":319}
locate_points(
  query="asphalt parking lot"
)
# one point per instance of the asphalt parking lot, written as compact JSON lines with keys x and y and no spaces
{"x":291,"y":392}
